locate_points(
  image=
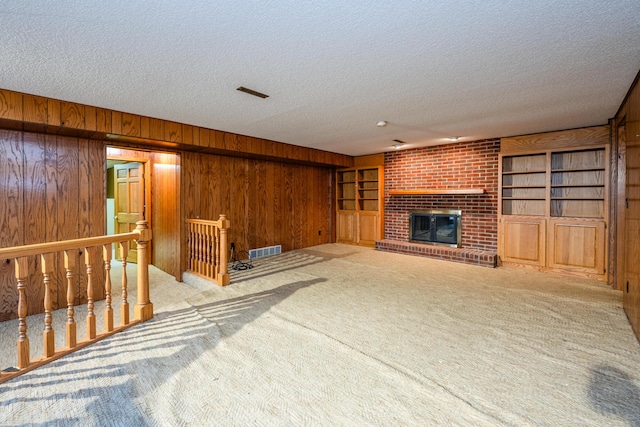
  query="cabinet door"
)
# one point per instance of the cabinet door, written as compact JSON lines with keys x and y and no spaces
{"x":523,"y":240}
{"x":368,"y":228}
{"x":347,"y":225}
{"x":577,"y":245}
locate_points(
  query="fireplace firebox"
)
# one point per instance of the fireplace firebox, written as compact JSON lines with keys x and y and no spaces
{"x":436,"y":227}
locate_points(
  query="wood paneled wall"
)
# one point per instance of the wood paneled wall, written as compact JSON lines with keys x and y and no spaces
{"x":268,"y":203}
{"x":165,"y":207}
{"x":52,"y":187}
{"x":626,"y":133}
{"x":34,"y":113}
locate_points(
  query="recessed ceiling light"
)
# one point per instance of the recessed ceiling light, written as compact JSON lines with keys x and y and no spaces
{"x":454,"y":138}
{"x":382,"y":123}
{"x":398,"y":144}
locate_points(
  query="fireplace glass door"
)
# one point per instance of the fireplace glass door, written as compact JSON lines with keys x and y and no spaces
{"x":435,"y":227}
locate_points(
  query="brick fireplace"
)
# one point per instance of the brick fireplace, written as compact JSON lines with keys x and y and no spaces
{"x":460,"y":166}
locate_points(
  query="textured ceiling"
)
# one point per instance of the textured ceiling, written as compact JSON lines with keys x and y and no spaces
{"x":432,"y":69}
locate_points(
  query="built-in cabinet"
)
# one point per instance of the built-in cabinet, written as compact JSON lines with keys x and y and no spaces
{"x":553,"y":205}
{"x":359,"y":193}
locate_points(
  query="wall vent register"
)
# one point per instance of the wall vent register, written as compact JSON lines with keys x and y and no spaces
{"x":266,"y":251}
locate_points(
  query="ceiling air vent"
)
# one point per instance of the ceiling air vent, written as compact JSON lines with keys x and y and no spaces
{"x":252,"y":92}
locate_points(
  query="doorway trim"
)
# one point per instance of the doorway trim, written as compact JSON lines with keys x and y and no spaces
{"x":162,"y":178}
{"x":146,"y":177}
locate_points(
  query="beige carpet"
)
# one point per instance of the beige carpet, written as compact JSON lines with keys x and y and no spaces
{"x":342,"y":335}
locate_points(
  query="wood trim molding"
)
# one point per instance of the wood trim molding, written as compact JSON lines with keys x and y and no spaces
{"x":370,"y":160}
{"x":437,"y":191}
{"x":583,"y":137}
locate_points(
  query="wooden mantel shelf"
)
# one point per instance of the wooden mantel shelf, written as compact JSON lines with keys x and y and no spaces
{"x":437,"y":191}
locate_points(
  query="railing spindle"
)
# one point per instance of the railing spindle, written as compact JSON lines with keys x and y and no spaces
{"x":194,"y":247}
{"x":205,"y":249}
{"x":69,"y":265}
{"x":217,"y":239}
{"x":22,"y":271}
{"x":209,"y":251}
{"x":48,"y":334}
{"x":108,"y":310}
{"x":214,"y":252}
{"x":199,"y":249}
{"x":124,"y":253}
{"x":196,"y":239}
{"x":91,"y":317}
{"x":198,"y":235}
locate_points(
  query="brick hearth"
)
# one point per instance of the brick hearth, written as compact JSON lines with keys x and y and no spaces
{"x":467,"y":256}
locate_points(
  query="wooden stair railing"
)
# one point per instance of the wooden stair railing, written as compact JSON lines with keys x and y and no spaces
{"x":92,"y":247}
{"x":208,"y":256}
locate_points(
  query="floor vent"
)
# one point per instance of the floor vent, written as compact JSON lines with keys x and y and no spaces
{"x":269,"y":250}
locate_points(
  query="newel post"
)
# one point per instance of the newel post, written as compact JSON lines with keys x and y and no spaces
{"x":224,"y":255}
{"x":143,"y":309}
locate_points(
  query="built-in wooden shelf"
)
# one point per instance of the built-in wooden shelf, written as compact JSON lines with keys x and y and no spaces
{"x":533,"y":186}
{"x":437,"y":191}
{"x":524,"y":172}
{"x":524,"y":198}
